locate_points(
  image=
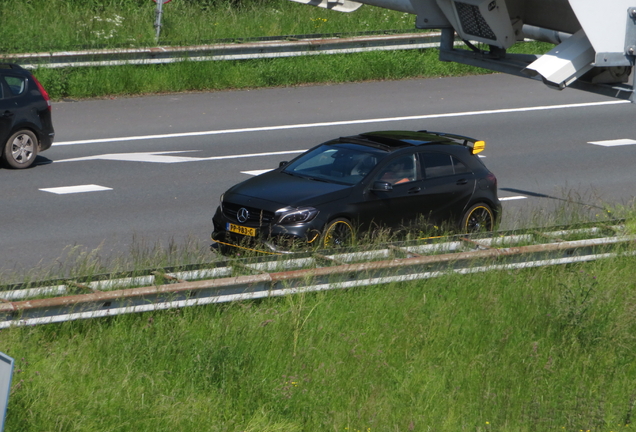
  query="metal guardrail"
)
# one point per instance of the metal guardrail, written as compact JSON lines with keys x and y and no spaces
{"x":225,"y":51}
{"x":276,"y":276}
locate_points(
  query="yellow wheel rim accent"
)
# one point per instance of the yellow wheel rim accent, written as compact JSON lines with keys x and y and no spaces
{"x":490,"y":216}
{"x":328,"y":242}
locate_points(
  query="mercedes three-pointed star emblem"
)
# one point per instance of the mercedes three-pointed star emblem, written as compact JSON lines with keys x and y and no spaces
{"x":242,"y":215}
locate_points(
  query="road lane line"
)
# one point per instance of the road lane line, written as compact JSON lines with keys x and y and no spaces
{"x":613,"y":143}
{"x":75,"y":189}
{"x":338,"y":123}
{"x":512,"y":198}
{"x":256,"y":172}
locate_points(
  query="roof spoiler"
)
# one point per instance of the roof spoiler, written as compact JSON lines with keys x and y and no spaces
{"x":476,"y":146}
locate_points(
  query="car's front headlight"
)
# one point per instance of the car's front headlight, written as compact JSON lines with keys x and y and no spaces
{"x":290,"y":215}
{"x":221,"y":201}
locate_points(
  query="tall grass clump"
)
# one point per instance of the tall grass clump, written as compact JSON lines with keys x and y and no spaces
{"x":76,"y":263}
{"x":521,"y":350}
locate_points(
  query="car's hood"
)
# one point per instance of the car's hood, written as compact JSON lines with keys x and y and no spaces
{"x":282,"y":190}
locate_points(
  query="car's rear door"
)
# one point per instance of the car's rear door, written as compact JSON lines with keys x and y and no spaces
{"x":7,"y":113}
{"x":16,"y":109}
{"x":448,"y":185}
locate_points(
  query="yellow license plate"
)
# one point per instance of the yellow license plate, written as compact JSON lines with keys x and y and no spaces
{"x":238,"y":229}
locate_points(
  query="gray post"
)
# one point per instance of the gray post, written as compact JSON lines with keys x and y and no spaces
{"x":448,"y":39}
{"x":158,"y":19}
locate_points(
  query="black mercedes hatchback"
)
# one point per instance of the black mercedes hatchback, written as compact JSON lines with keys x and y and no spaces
{"x":358,"y":183}
{"x":25,"y":117}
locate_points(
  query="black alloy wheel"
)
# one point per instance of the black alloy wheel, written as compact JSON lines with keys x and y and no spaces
{"x":478,"y":218}
{"x":338,"y":233}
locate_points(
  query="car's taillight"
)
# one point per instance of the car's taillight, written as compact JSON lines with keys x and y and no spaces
{"x":491,"y":178}
{"x":45,"y":95}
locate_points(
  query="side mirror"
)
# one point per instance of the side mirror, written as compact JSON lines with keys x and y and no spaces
{"x":282,"y":164}
{"x":381,"y":186}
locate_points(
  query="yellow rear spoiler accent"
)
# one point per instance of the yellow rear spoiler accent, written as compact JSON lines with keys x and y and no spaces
{"x":478,"y":146}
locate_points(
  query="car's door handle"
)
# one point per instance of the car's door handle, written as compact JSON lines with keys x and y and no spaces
{"x":7,"y":114}
{"x":462,"y":182}
{"x":415,"y":190}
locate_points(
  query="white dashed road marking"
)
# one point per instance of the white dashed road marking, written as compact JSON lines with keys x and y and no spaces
{"x":614,"y":143}
{"x":512,"y":198}
{"x":76,"y":189}
{"x":255,"y":172}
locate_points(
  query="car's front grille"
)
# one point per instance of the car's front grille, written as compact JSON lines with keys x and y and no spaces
{"x":255,"y":216}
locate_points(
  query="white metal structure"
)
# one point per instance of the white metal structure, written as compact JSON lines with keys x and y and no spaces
{"x":598,"y":57}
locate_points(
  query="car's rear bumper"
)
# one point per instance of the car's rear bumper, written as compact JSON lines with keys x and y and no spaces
{"x":46,"y":140}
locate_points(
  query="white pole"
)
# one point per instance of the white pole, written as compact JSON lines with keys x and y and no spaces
{"x":158,"y":19}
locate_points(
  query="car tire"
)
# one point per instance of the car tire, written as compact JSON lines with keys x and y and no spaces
{"x":478,"y":218}
{"x":21,"y":149}
{"x":337,"y":233}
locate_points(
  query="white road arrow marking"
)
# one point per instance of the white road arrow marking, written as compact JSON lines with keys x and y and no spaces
{"x":163,"y":157}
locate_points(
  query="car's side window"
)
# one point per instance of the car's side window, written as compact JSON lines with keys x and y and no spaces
{"x":436,"y":165}
{"x":17,"y":85}
{"x":402,"y":169}
{"x":459,"y":166}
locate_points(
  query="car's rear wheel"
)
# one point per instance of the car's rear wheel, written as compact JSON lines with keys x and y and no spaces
{"x":478,"y":218}
{"x":337,"y":233}
{"x":21,"y":149}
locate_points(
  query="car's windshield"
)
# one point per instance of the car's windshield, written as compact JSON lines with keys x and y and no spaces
{"x":338,"y":163}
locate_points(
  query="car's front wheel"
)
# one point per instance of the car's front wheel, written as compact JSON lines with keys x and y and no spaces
{"x":337,"y":233}
{"x":478,"y":218}
{"x":21,"y":149}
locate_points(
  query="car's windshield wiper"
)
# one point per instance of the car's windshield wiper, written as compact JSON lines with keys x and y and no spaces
{"x":293,"y":174}
{"x":305,"y":176}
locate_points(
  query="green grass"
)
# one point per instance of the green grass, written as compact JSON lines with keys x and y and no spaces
{"x":54,"y":25}
{"x":191,"y":76}
{"x":116,"y":23}
{"x":223,"y":75}
{"x":521,"y":350}
{"x":528,"y":350}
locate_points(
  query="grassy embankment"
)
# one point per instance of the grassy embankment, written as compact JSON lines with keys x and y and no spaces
{"x":93,"y":24}
{"x":547,"y":349}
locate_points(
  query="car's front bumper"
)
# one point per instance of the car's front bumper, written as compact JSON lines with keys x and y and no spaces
{"x":270,"y":238}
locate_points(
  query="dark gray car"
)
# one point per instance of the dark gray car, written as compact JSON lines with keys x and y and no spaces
{"x":25,"y":117}
{"x":358,"y":183}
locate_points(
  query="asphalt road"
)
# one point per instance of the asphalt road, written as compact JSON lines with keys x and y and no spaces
{"x":151,"y":169}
